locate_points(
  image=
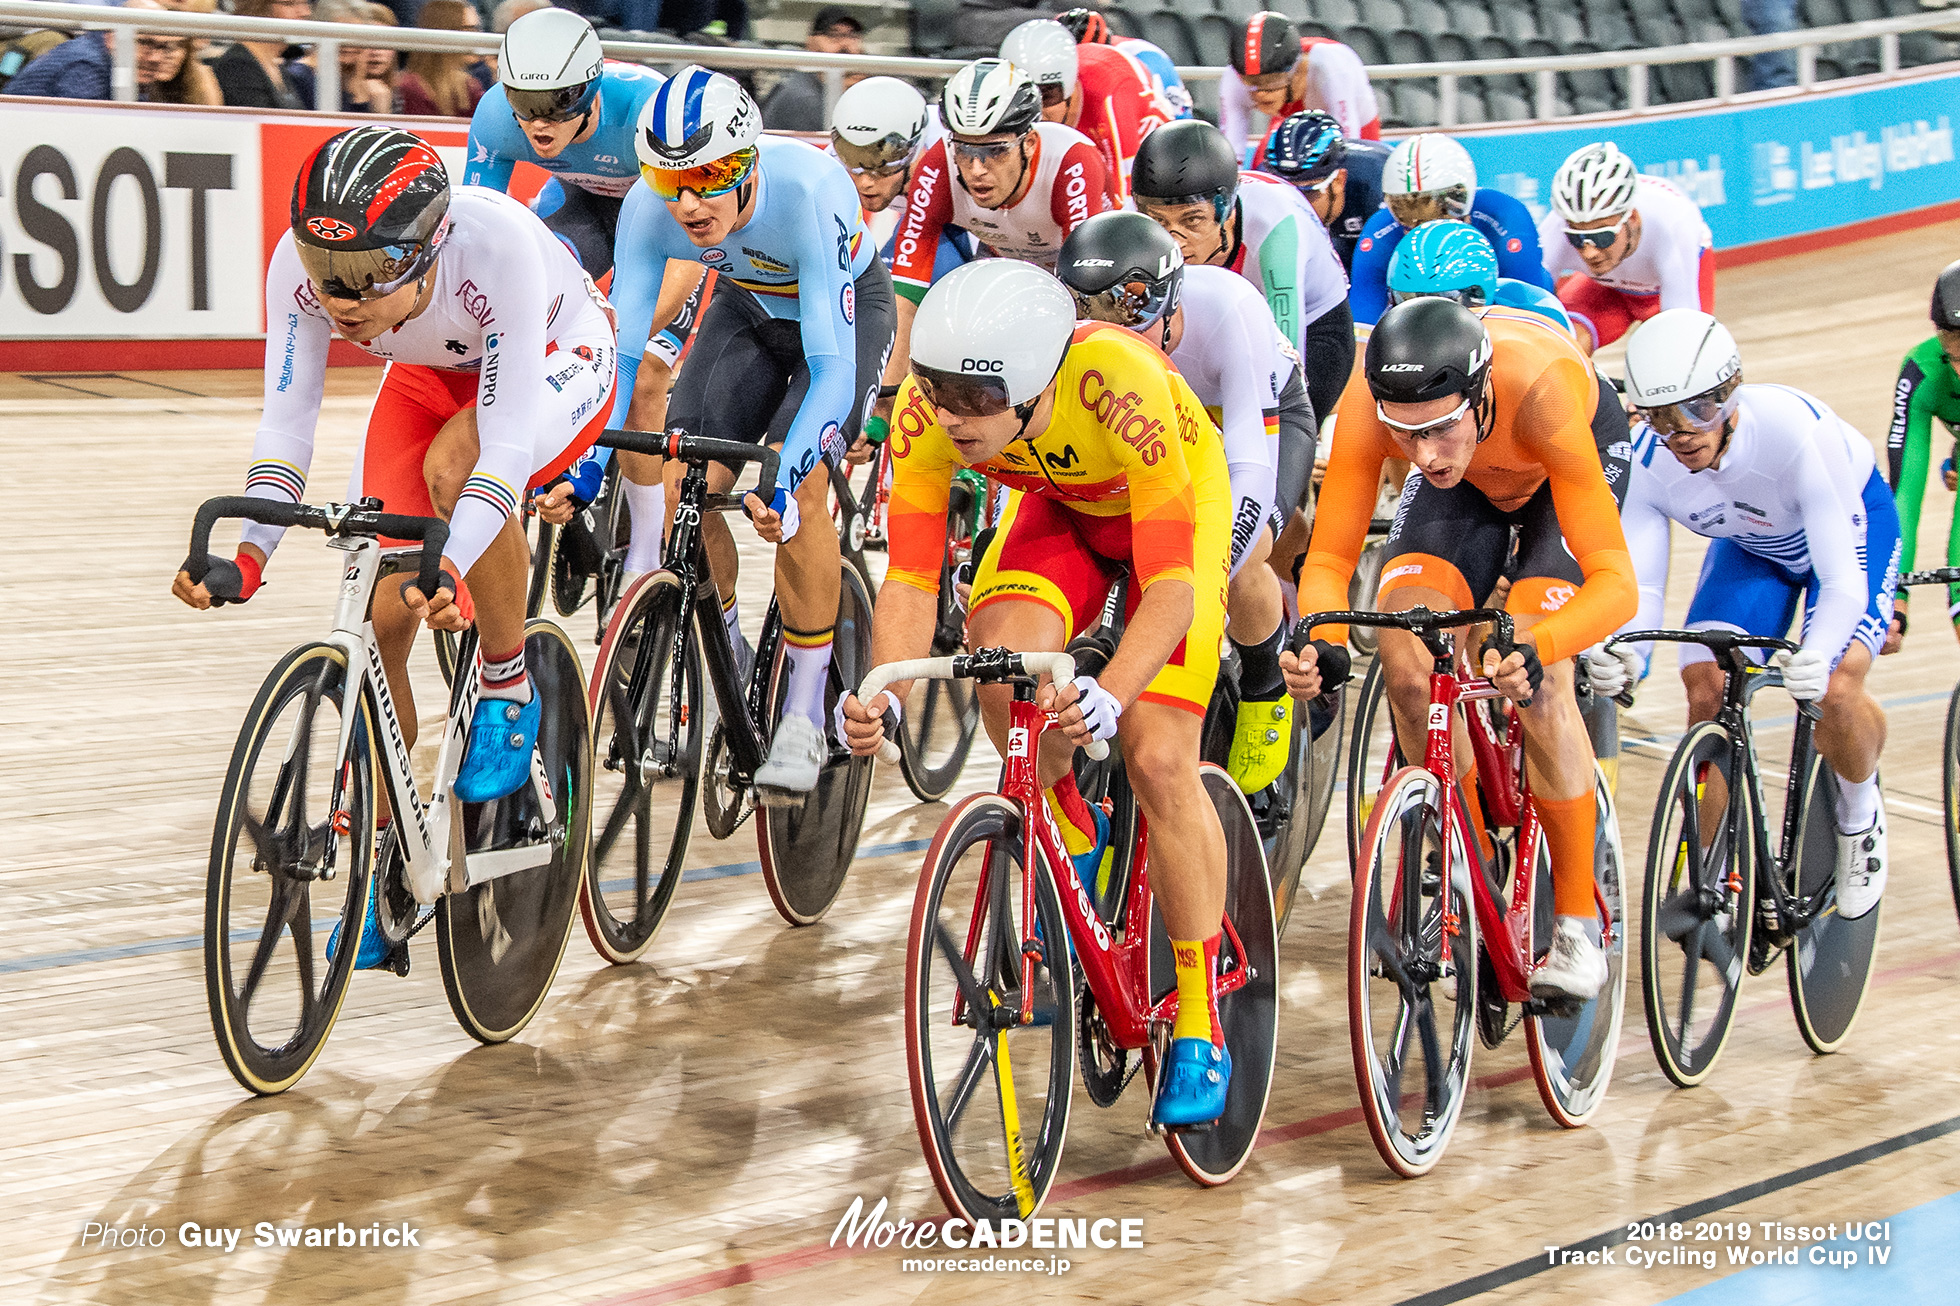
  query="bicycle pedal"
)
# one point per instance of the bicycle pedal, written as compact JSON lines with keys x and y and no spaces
{"x":396,"y":960}
{"x":769,"y":796}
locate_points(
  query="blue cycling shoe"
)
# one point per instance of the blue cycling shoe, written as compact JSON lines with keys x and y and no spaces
{"x":374,"y":948}
{"x":497,"y":760}
{"x":1196,"y":1075}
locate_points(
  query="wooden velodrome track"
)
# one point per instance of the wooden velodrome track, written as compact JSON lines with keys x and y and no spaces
{"x":692,"y":1127}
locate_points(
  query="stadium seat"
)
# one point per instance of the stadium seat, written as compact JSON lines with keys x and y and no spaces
{"x":1731,"y":11}
{"x":1822,"y":13}
{"x":1171,"y":34}
{"x":1611,"y":30}
{"x":1384,"y":16}
{"x":1366,"y":44}
{"x":1506,"y":105}
{"x":1863,"y":11}
{"x":1561,"y":26}
{"x":1319,"y":29}
{"x":1451,"y":48}
{"x":1409,"y":46}
{"x":1216,"y":35}
{"x":1426,"y":16}
{"x":1417,"y":103}
{"x":1239,"y":10}
{"x":1657,"y":30}
{"x":1470,"y":19}
{"x":1123,"y":22}
{"x":1470,"y":103}
{"x":1678,"y":83}
{"x":1495,"y":47}
{"x":1828,"y":69}
{"x":932,"y":26}
{"x":1338,"y":13}
{"x":1691,"y":12}
{"x":1517,"y":22}
{"x":1538,"y":49}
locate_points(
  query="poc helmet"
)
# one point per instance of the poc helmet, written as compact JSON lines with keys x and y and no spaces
{"x":370,"y":210}
{"x":550,"y":64}
{"x":1429,"y":177}
{"x":1683,"y":371}
{"x":1946,"y":298}
{"x":1045,"y":51}
{"x":1185,"y":162}
{"x":1450,"y":259}
{"x":987,"y":97}
{"x":990,"y":336}
{"x":1086,"y":26}
{"x":1430,"y":349}
{"x":1269,"y":44}
{"x":1305,"y":148}
{"x":1122,"y":268}
{"x":694,"y":118}
{"x":1596,"y":181}
{"x":878,"y":125}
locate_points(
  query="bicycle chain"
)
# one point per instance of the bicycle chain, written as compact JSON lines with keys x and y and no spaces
{"x":1091,"y":1035}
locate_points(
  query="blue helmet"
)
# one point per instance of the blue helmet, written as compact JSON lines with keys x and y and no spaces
{"x":1305,"y":148}
{"x":1448,"y":258}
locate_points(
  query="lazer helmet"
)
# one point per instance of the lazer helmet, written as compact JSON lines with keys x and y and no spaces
{"x":370,"y":210}
{"x":878,"y":125}
{"x":1946,"y":298}
{"x":1430,"y":349}
{"x":1122,"y":268}
{"x":1451,"y":259}
{"x":550,"y":64}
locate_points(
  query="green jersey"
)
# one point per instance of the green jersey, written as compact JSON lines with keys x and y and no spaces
{"x":1927,"y":389}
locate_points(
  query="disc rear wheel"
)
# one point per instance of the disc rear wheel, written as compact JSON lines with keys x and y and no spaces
{"x":1830,"y":964}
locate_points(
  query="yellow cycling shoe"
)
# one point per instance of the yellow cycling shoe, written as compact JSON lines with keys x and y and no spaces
{"x":1261,"y":742}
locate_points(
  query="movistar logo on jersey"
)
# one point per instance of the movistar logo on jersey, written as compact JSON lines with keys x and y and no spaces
{"x":1062,"y":461}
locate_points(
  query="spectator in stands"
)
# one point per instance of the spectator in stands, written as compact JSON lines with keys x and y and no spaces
{"x":721,"y":18}
{"x":1276,"y":71}
{"x":1779,"y":67}
{"x":436,"y":84}
{"x":362,"y":90}
{"x":169,"y":72}
{"x":383,"y":64}
{"x":78,"y":68}
{"x":796,"y":104}
{"x":253,"y":73}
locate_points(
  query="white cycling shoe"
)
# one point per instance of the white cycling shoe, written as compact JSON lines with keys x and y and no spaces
{"x":1574,"y":968}
{"x":1861,"y":868}
{"x":796,"y":757}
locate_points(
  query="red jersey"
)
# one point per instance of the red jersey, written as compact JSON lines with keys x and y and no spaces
{"x":1119,"y":108}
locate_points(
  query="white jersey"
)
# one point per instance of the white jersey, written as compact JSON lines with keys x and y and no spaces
{"x":1237,"y":362}
{"x":1337,"y":83}
{"x":1673,"y":235}
{"x":505,"y":289}
{"x":1790,"y":489}
{"x":1286,"y":252}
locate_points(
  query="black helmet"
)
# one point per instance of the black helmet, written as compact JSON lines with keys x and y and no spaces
{"x":1184,"y":162}
{"x":370,"y":209}
{"x":1269,"y":44}
{"x":1946,"y":298}
{"x":1122,"y":268}
{"x":1424,"y":349}
{"x":1086,"y":26}
{"x":1305,"y":148}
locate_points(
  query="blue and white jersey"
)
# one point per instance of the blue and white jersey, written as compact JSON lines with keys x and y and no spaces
{"x":1531,"y":299}
{"x":1790,"y":489}
{"x":604,"y":163}
{"x":800,"y":254}
{"x":1505,"y":222}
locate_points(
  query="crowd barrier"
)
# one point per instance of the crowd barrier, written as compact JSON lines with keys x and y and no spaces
{"x":136,"y":236}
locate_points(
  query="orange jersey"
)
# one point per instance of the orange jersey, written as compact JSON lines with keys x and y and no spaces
{"x":1127,"y":438}
{"x":1545,"y":393}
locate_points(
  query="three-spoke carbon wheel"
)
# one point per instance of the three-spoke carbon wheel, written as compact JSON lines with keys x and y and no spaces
{"x":1412,"y":949}
{"x":1372,"y":754}
{"x":990,"y":1095}
{"x":291,"y":859}
{"x":646,"y":698}
{"x":1698,"y":905}
{"x":1950,"y":788}
{"x":807,"y":850}
{"x":501,"y":940}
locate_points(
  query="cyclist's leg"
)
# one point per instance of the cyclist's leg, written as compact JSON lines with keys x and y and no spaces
{"x":583,"y":222}
{"x":1600,"y":312}
{"x":1327,"y":357}
{"x":1261,"y":737}
{"x":678,"y":309}
{"x":1851,"y":731}
{"x":1737,"y":590}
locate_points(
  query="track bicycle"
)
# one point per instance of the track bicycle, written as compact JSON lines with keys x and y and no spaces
{"x":659,"y":762}
{"x":1720,"y":902}
{"x":448,"y":644}
{"x":1442,"y":941}
{"x":295,"y":850}
{"x":1950,"y":768}
{"x":994,"y":1023}
{"x":941,"y":717}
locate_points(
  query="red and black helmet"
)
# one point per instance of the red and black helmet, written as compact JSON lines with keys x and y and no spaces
{"x":370,"y":209}
{"x":1269,"y":44}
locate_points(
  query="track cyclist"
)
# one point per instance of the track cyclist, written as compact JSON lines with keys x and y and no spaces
{"x":1429,"y":178}
{"x":1276,"y":71}
{"x":789,"y":350}
{"x":1340,"y":179}
{"x":1792,"y":498}
{"x":1928,"y":388}
{"x":1497,"y":413}
{"x":500,"y":373}
{"x":1125,"y":269}
{"x":560,"y":106}
{"x":1115,"y":466}
{"x":1451,"y":258}
{"x":1187,"y":178}
{"x":1014,"y":182}
{"x":1088,"y":28}
{"x":1096,"y":89}
{"x":1624,"y":245}
{"x":881,"y":127}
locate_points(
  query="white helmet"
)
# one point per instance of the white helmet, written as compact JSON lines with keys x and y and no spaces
{"x":1683,"y":370}
{"x":694,"y":118}
{"x":1597,"y":181}
{"x":991,"y":335}
{"x":1044,"y":49}
{"x":878,"y":124}
{"x":550,"y":64}
{"x":989,"y":96}
{"x":1431,"y":163}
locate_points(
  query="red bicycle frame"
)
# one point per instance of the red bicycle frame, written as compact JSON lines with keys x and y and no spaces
{"x":1116,"y":966}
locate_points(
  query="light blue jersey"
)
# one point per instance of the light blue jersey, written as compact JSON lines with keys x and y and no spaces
{"x":604,"y":163}
{"x":1504,"y":222}
{"x":799,"y":255}
{"x":1512,"y":293}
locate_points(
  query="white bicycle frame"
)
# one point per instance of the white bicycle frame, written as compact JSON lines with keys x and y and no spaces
{"x":431,"y":840}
